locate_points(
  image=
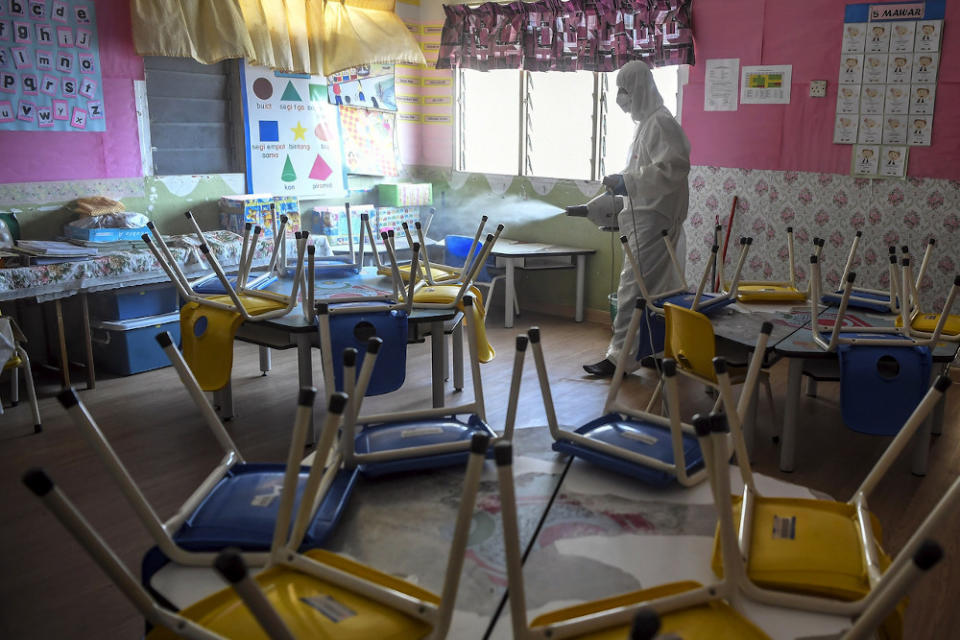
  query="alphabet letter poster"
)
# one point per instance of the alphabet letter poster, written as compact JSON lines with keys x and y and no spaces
{"x":292,"y":135}
{"x":50,"y":66}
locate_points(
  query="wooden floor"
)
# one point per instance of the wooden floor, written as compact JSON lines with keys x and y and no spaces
{"x":50,"y":589}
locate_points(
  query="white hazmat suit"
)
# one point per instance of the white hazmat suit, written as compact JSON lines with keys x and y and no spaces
{"x":655,"y":181}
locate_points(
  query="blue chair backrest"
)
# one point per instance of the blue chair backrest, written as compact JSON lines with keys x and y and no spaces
{"x":354,"y":329}
{"x":881,"y":386}
{"x":457,"y":248}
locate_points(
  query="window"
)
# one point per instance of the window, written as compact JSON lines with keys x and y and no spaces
{"x":554,"y":125}
{"x":192,"y":110}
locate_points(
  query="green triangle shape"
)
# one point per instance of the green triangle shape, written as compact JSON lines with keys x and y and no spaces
{"x":318,"y":92}
{"x":288,"y":175}
{"x":290,"y":94}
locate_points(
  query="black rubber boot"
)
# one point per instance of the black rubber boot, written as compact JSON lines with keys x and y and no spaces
{"x":603,"y":369}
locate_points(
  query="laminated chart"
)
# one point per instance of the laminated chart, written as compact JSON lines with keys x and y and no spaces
{"x":366,"y":86}
{"x":50,"y":66}
{"x":369,"y":142}
{"x":292,"y":134}
{"x":887,"y":83}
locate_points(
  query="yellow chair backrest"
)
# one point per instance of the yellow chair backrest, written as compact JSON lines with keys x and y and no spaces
{"x":690,"y":341}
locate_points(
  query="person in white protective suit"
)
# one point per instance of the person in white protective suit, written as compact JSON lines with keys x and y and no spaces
{"x":655,"y":185}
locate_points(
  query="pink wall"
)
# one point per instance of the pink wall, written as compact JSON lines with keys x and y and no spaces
{"x":34,"y":156}
{"x":798,"y":136}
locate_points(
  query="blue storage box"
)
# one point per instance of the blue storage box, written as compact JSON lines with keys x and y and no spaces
{"x":134,"y":302}
{"x":104,"y":235}
{"x":130,"y":346}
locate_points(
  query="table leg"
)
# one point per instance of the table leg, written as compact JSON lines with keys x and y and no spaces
{"x":64,"y":358}
{"x":921,"y":439}
{"x":266,"y":360}
{"x":457,"y":339}
{"x":811,"y":388}
{"x":581,"y":270}
{"x":88,"y":341}
{"x":938,"y":417}
{"x":437,"y":348}
{"x":223,"y":402}
{"x":790,"y":410}
{"x":305,"y":375}
{"x":508,"y":295}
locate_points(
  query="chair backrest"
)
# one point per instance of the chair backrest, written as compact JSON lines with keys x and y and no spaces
{"x":355,"y":329}
{"x":457,"y":247}
{"x":690,"y":341}
{"x":881,"y":386}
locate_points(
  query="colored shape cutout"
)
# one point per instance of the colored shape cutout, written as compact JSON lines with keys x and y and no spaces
{"x":322,"y":131}
{"x":263,"y":88}
{"x":298,"y":131}
{"x":321,"y":170}
{"x":318,"y":92}
{"x":288,"y":175}
{"x":269,"y":131}
{"x":290,"y":93}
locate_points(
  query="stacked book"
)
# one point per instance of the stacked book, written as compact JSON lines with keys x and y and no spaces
{"x":51,"y":252}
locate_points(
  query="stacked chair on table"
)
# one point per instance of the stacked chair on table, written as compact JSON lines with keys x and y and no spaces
{"x":655,"y":449}
{"x":234,"y":506}
{"x":820,"y":555}
{"x":923,"y":325}
{"x":688,"y":609}
{"x":312,"y":594}
{"x":775,"y":291}
{"x":865,"y":298}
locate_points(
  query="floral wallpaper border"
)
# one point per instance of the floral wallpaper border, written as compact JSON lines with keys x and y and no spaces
{"x":34,"y":193}
{"x":830,"y":206}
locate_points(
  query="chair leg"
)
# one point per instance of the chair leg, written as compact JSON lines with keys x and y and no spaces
{"x":14,"y":387}
{"x":456,"y":337}
{"x":31,"y":391}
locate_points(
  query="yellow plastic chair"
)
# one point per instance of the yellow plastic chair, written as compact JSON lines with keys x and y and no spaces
{"x":313,"y":595}
{"x":19,"y":360}
{"x":944,"y":325}
{"x":772,"y":291}
{"x":821,"y":555}
{"x":689,"y":339}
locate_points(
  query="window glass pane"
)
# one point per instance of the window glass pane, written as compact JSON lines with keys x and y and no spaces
{"x":560,"y":127}
{"x":491,"y":121}
{"x":620,"y":126}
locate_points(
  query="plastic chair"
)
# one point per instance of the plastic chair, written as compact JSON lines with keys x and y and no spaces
{"x":316,"y":594}
{"x":774,"y":291}
{"x":691,"y":342}
{"x":10,"y":332}
{"x":700,"y":299}
{"x":640,"y":444}
{"x":236,"y":504}
{"x":415,"y":439}
{"x":821,"y":555}
{"x":864,"y":298}
{"x":457,"y":249}
{"x":924,"y":325}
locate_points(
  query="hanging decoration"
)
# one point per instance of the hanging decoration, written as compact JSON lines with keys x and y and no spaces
{"x":572,"y":35}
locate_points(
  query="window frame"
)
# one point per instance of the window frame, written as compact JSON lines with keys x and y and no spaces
{"x":523,"y":166}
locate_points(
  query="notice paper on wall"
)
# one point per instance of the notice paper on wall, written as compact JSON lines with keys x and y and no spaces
{"x":766,"y":84}
{"x":50,"y":67}
{"x":292,"y":135}
{"x":720,"y":84}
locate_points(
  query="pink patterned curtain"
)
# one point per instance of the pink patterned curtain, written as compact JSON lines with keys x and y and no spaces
{"x":571,"y":35}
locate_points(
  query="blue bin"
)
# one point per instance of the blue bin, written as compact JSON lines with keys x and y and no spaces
{"x":354,"y":329}
{"x":130,"y":346}
{"x":134,"y":302}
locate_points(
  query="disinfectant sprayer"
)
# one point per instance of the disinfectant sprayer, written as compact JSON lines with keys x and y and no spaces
{"x":602,"y":211}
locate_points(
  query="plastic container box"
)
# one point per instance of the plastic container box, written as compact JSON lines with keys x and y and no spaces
{"x":134,"y":302}
{"x":405,"y":195}
{"x":130,"y":346}
{"x":104,"y":235}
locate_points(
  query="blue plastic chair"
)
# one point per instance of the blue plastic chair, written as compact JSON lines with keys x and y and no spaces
{"x":456,"y":250}
{"x":353,"y":330}
{"x":881,"y":386}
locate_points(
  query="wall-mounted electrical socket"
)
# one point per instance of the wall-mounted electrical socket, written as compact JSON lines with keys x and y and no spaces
{"x":818,"y":88}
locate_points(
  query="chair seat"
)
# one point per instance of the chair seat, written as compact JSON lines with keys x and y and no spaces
{"x":636,"y":436}
{"x":714,"y":621}
{"x":13,"y":363}
{"x":396,"y":436}
{"x":927,"y":322}
{"x":879,"y":302}
{"x":709,"y":302}
{"x":806,"y":546}
{"x":772,"y":292}
{"x":241,"y":509}
{"x":311,"y":607}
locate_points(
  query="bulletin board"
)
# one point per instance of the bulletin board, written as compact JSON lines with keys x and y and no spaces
{"x":369,"y":142}
{"x":292,"y":134}
{"x":366,"y":86}
{"x":888,"y":83}
{"x":50,"y":76}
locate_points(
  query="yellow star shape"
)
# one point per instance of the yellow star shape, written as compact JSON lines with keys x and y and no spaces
{"x":298,"y":132}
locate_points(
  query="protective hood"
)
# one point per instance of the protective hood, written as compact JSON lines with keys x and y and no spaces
{"x":636,"y":79}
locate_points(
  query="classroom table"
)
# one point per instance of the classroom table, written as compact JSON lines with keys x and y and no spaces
{"x":294,"y":331}
{"x":401,"y":524}
{"x":538,"y":256}
{"x":801,"y":349}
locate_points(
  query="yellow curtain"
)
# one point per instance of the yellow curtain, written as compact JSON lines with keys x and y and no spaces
{"x":298,"y":36}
